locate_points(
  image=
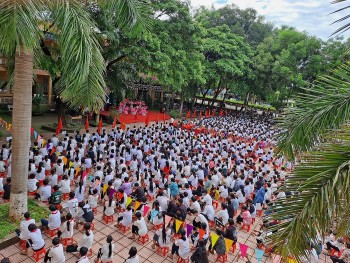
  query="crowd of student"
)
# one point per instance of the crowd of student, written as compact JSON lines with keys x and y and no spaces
{"x":220,"y":177}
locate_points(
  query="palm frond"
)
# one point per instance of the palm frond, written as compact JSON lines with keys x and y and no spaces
{"x":129,"y":14}
{"x":321,"y":187}
{"x":82,"y":83}
{"x":345,"y":27}
{"x":318,"y":109}
{"x":18,"y":25}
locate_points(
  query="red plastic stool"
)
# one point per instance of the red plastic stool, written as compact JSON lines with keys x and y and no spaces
{"x":234,"y":247}
{"x":65,"y":196}
{"x":2,"y":175}
{"x":108,"y":219}
{"x":259,"y":213}
{"x":31,"y":193}
{"x":143,"y":239}
{"x":22,"y":244}
{"x":6,"y":200}
{"x":246,"y":227}
{"x":94,"y":210}
{"x":163,"y":250}
{"x":37,"y":255}
{"x":221,"y":258}
{"x":52,"y":232}
{"x":67,"y":241}
{"x":215,"y":204}
{"x":182,"y":260}
{"x":123,"y":228}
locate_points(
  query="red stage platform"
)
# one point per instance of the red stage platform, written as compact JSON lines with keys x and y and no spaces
{"x":152,"y":116}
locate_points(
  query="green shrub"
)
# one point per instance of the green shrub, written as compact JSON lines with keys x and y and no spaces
{"x":174,"y":114}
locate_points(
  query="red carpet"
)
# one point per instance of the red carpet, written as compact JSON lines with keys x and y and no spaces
{"x":152,"y":116}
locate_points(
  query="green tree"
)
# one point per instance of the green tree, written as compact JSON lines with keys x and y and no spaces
{"x":82,"y":66}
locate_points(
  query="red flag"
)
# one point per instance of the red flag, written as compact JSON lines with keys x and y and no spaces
{"x":59,"y":126}
{"x":87,"y":123}
{"x":114,"y":122}
{"x":213,"y":113}
{"x":221,"y":113}
{"x":99,"y":127}
{"x":206,"y":113}
{"x":194,"y":114}
{"x":188,"y":114}
{"x":164,"y":117}
{"x":200,"y":114}
{"x":147,"y":120}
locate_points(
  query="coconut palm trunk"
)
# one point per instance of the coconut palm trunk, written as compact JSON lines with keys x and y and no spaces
{"x":21,"y":121}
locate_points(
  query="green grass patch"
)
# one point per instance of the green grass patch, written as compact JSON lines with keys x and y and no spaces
{"x":7,"y":226}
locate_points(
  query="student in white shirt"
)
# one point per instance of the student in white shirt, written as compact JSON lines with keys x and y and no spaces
{"x":67,"y":227}
{"x":55,"y":254}
{"x":133,"y":257}
{"x":64,"y":185}
{"x":105,"y":253}
{"x":139,"y":227}
{"x":54,"y":220}
{"x":23,"y":232}
{"x":222,"y":216}
{"x":162,"y":237}
{"x":125,"y":218}
{"x":35,"y":239}
{"x":32,"y":184}
{"x":83,"y":258}
{"x":72,"y":205}
{"x":181,"y":247}
{"x":45,"y":191}
{"x":109,"y":207}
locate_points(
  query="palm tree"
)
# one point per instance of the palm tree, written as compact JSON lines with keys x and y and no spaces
{"x":82,"y":83}
{"x":316,"y":134}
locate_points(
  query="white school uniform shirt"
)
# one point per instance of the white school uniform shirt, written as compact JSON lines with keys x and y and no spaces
{"x":105,"y":251}
{"x":64,"y":186}
{"x":141,"y":224}
{"x":56,"y":254}
{"x":31,"y":185}
{"x":67,"y":232}
{"x":167,"y":237}
{"x":86,"y":241}
{"x":223,"y":215}
{"x":37,"y":239}
{"x":184,"y":247}
{"x":93,"y":200}
{"x":209,"y":211}
{"x":110,"y":209}
{"x":72,"y":206}
{"x":127,"y":218}
{"x":45,"y":192}
{"x":55,"y":220}
{"x":80,"y":195}
{"x":84,"y":259}
{"x":132,"y":260}
{"x":24,"y":228}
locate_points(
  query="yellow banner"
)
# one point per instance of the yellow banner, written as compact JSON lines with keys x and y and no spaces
{"x":178,"y":224}
{"x":229,"y":244}
{"x":128,"y":201}
{"x":137,"y":205}
{"x":214,"y":239}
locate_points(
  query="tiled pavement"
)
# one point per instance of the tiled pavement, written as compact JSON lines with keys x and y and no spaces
{"x":146,"y":253}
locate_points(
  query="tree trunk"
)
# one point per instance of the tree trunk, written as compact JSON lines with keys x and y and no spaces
{"x":245,"y":102}
{"x":21,"y":121}
{"x":181,"y":107}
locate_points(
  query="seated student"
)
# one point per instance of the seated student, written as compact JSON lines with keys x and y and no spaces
{"x":7,"y":190}
{"x":172,"y":208}
{"x":181,"y":246}
{"x":105,"y":253}
{"x":195,"y":236}
{"x":44,"y":191}
{"x":163,"y":200}
{"x":64,"y":185}
{"x":53,"y":178}
{"x":173,"y":188}
{"x":194,"y":205}
{"x":23,"y":231}
{"x":36,"y":240}
{"x":86,"y":240}
{"x":231,"y":231}
{"x":123,"y":199}
{"x":207,"y":199}
{"x":125,"y":218}
{"x":199,"y":218}
{"x":244,"y":217}
{"x":209,"y":212}
{"x":93,"y":199}
{"x":221,"y":217}
{"x":181,"y":212}
{"x":67,"y":227}
{"x":54,"y":220}
{"x":83,"y":255}
{"x":138,"y":193}
{"x":162,"y":237}
{"x":220,"y":245}
{"x":344,"y":257}
{"x":133,"y":257}
{"x":200,"y":254}
{"x":71,"y":205}
{"x":79,"y":191}
{"x":109,"y":207}
{"x":55,"y":253}
{"x":151,"y":188}
{"x":156,"y":216}
{"x":56,"y":196}
{"x":85,"y":213}
{"x":139,"y":227}
{"x":32,"y":184}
